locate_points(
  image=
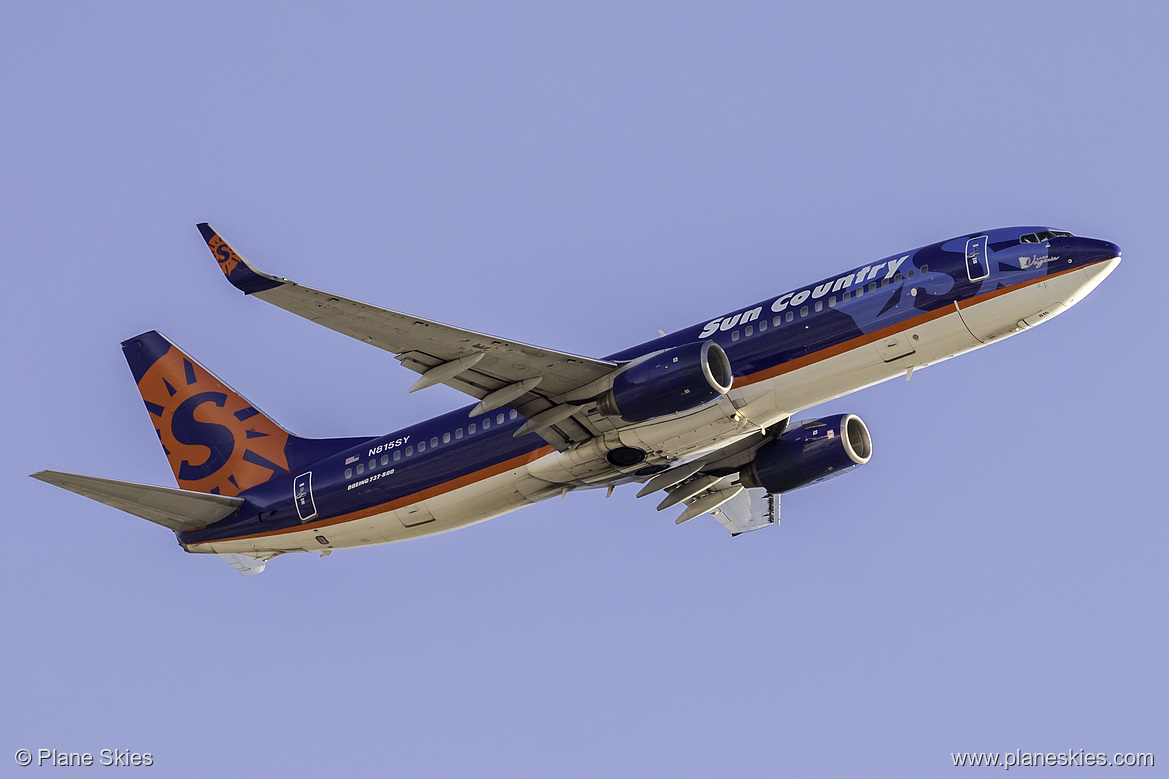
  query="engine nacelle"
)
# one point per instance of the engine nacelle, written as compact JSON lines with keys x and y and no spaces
{"x":810,"y":452}
{"x":670,"y":381}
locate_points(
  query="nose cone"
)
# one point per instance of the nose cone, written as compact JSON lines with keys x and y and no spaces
{"x":1094,"y":250}
{"x":1082,"y":252}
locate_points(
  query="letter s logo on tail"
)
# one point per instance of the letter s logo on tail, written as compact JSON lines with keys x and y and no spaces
{"x":216,"y":441}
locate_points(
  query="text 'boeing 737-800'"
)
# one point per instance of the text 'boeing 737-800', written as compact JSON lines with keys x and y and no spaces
{"x":701,"y":415}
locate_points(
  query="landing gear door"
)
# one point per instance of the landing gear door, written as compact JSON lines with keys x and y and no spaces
{"x":977,"y":264}
{"x":302,"y":496}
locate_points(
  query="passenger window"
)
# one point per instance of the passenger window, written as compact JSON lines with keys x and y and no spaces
{"x":471,"y":428}
{"x":360,"y":469}
{"x":410,"y":450}
{"x":898,"y":278}
{"x":397,"y":455}
{"x":858,"y":292}
{"x":421,"y":447}
{"x":925,"y":269}
{"x":762,"y":325}
{"x":434,"y":442}
{"x":790,"y":316}
{"x":348,"y":473}
{"x":884,"y":282}
{"x":372,"y":464}
{"x":873,"y":287}
{"x":513,"y":414}
{"x":777,"y":321}
{"x":803,"y":311}
{"x":819,"y":305}
{"x":458,"y":432}
{"x":446,"y":438}
{"x":749,"y":331}
{"x":911,"y":272}
{"x":486,"y":422}
{"x":844,"y":296}
{"x":499,"y":418}
{"x":832,"y":301}
{"x":735,"y":336}
{"x":385,"y":459}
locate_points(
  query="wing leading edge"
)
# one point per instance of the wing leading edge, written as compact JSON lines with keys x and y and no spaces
{"x":496,"y":371}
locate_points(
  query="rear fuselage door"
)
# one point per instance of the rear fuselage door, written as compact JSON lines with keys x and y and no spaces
{"x":977,"y":264}
{"x":302,"y":495}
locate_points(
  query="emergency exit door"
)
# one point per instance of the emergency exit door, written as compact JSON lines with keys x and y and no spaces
{"x":302,"y":496}
{"x":977,"y":264}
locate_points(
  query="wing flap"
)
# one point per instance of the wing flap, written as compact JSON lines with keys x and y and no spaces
{"x":172,"y":508}
{"x":750,"y":510}
{"x":248,"y":566}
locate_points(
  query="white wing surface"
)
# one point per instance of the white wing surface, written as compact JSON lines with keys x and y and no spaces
{"x":496,"y":371}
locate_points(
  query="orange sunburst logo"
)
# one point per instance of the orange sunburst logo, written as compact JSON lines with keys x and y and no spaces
{"x":226,"y":257}
{"x":215,"y":440}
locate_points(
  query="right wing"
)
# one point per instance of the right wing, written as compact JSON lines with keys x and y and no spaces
{"x":497,"y":371}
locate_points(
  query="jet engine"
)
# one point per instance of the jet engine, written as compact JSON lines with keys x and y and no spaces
{"x":668,"y":382}
{"x":808,"y":453}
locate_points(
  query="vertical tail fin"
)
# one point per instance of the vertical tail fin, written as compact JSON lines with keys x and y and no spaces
{"x":216,"y":441}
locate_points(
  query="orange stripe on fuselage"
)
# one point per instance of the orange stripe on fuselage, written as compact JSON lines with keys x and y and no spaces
{"x":430,"y":492}
{"x":741,"y":381}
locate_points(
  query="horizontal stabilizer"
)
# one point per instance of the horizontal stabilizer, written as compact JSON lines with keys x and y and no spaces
{"x":174,"y":509}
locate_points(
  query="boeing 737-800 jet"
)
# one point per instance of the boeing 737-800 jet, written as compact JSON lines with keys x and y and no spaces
{"x":701,"y":414}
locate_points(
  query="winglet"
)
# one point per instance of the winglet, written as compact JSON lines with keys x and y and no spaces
{"x":237,"y":270}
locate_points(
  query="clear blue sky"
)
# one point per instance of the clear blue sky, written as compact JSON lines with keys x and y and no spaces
{"x":578,"y":177}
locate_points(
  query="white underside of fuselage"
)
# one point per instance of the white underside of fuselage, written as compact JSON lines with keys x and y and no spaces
{"x":758,"y":402}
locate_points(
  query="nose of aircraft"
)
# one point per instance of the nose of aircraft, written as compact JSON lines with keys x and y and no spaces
{"x":1085,"y":251}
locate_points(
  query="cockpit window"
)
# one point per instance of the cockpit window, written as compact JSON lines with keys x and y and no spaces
{"x":1046,"y":235}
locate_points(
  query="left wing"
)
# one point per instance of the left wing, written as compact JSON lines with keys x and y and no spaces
{"x":535,"y":381}
{"x":176,"y":510}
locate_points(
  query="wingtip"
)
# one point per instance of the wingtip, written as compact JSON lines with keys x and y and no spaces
{"x":242,"y":276}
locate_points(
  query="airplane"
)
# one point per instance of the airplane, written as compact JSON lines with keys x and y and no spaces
{"x":701,"y":415}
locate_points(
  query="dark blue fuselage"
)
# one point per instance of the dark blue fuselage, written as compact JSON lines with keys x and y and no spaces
{"x":812,"y":320}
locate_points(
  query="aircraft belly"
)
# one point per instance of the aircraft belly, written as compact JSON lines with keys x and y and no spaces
{"x":1018,"y":309}
{"x":864,"y":365}
{"x":488,"y":499}
{"x":458,"y":508}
